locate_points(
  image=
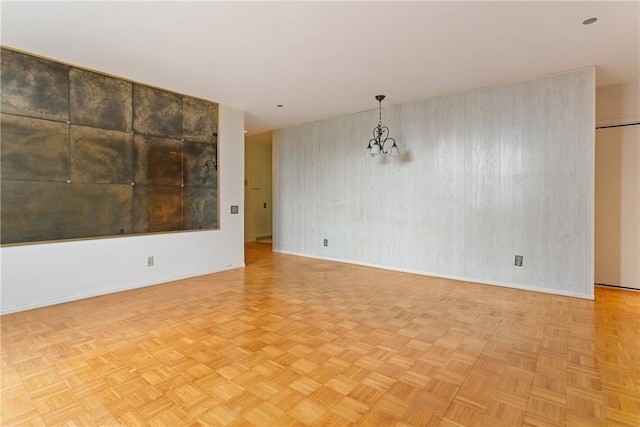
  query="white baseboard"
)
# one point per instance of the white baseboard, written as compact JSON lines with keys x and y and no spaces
{"x":110,"y":290}
{"x":448,"y":276}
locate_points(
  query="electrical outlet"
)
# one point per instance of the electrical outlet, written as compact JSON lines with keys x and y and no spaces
{"x":325,"y":242}
{"x":519,"y":260}
{"x":149,"y":261}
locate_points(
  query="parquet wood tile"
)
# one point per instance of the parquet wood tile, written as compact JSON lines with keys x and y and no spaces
{"x":459,"y":414}
{"x":290,"y":341}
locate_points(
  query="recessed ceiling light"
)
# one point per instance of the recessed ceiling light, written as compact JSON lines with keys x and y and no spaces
{"x":280,"y":105}
{"x":589,"y":21}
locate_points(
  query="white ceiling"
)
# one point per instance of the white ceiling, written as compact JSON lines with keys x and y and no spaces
{"x":325,"y":59}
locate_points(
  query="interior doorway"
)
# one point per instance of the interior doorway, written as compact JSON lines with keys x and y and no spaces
{"x":617,"y":206}
{"x":258,"y":212}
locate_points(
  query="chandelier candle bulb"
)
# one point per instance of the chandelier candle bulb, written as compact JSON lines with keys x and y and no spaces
{"x":381,"y":136}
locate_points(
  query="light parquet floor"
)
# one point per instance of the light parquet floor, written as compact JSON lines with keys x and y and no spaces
{"x":296,"y":341}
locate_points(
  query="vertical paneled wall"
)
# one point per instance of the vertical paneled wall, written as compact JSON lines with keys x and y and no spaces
{"x":482,"y":177}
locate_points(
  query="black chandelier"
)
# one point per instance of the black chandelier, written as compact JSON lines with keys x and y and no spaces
{"x":381,"y":136}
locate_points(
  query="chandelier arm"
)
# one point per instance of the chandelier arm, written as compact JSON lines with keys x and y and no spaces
{"x":382,"y":132}
{"x":388,"y":138}
{"x":377,"y":132}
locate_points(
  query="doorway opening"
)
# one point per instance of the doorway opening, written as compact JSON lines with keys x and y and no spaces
{"x":258,"y":214}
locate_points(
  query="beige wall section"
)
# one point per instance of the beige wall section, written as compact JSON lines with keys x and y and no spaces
{"x":618,"y":104}
{"x":257,"y":218}
{"x":617,"y":186}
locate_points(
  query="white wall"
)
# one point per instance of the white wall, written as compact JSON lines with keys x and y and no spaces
{"x":483,"y":176}
{"x":617,"y":201}
{"x":43,"y":274}
{"x":257,"y":218}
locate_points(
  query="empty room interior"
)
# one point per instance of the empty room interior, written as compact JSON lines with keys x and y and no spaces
{"x":374,"y":213}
